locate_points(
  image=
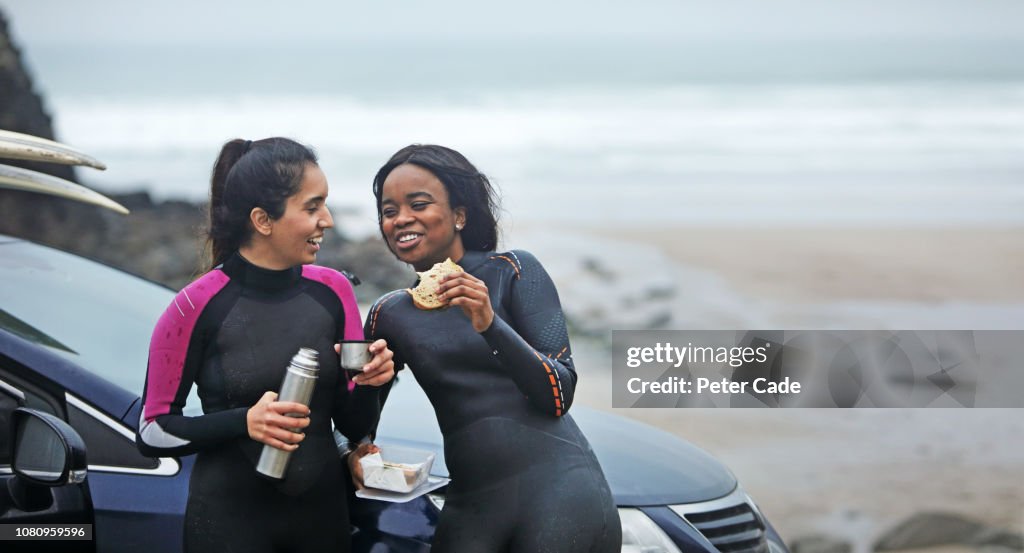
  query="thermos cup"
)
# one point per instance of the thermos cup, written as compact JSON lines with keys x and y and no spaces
{"x":355,"y":354}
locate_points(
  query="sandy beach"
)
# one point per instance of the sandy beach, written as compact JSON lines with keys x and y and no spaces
{"x":627,"y":277}
{"x":813,"y":264}
{"x":847,"y":474}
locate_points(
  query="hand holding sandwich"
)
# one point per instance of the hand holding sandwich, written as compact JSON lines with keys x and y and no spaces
{"x":470,"y":294}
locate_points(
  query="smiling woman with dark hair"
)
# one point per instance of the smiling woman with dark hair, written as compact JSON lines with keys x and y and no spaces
{"x":496,"y":365}
{"x":232,"y":333}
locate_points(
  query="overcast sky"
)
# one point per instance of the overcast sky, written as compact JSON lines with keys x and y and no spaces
{"x":44,"y":22}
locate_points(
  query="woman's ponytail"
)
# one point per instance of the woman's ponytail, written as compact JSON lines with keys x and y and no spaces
{"x":222,"y":232}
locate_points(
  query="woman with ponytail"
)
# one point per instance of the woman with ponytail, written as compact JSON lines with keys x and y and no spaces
{"x":232,"y":333}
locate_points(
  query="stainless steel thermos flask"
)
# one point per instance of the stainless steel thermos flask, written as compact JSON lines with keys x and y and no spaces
{"x":299,"y":381}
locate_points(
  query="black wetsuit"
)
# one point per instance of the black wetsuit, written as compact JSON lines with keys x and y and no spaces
{"x":233,"y":332}
{"x":524,"y":478}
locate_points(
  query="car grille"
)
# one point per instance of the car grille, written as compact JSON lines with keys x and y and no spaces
{"x":731,"y":524}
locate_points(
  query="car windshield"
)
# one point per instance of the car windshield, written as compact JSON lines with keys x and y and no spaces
{"x":98,"y":317}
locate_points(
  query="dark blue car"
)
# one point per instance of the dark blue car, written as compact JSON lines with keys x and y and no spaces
{"x":74,"y":336}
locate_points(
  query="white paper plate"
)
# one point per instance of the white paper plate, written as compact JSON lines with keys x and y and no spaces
{"x":432,"y":483}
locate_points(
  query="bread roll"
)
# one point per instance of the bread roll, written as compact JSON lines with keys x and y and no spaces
{"x":425,"y":295}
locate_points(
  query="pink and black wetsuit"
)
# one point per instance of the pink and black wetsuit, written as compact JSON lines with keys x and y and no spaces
{"x":524,"y":478}
{"x":232,"y":333}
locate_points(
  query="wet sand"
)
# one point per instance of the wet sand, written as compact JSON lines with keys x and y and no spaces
{"x":849,"y":474}
{"x":808,"y":265}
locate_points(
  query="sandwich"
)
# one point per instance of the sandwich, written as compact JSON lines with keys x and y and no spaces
{"x":425,"y":295}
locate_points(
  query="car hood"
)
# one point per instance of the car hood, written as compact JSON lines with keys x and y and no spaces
{"x":643,"y":465}
{"x":647,"y":466}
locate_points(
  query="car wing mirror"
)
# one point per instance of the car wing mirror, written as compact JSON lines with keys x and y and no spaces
{"x":47,"y":451}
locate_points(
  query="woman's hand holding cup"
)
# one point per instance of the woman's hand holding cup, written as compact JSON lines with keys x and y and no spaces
{"x":380,"y":368}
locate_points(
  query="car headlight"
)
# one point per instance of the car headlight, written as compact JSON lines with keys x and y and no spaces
{"x":641,"y":535}
{"x":774,"y":547}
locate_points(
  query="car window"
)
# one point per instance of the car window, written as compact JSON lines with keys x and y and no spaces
{"x":106,"y":445}
{"x":96,"y":316}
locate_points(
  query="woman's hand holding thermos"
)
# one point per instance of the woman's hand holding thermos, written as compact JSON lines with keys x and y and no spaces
{"x":268,"y":422}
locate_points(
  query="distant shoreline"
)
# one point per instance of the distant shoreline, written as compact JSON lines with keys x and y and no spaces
{"x":826,"y":264}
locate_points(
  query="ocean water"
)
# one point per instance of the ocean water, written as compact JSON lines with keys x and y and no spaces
{"x":650,"y":155}
{"x":848,"y":154}
{"x":649,"y":138}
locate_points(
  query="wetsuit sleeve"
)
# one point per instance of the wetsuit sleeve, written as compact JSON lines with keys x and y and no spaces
{"x":534,"y":345}
{"x":357,"y":414}
{"x":358,"y":411}
{"x":358,"y":407}
{"x":377,"y":327}
{"x":175,"y":357}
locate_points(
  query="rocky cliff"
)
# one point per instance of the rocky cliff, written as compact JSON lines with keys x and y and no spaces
{"x":21,"y":108}
{"x":47,"y":220}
